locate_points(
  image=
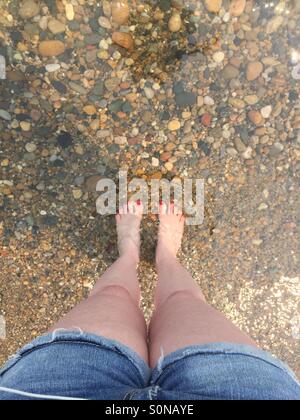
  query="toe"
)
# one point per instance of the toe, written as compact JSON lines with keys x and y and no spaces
{"x":162,"y":209}
{"x":171,"y":209}
{"x":139,"y":208}
{"x":131,"y":207}
{"x":178,"y":211}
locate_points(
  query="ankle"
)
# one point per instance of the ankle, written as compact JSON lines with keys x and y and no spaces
{"x":165,"y":255}
{"x":131,"y":255}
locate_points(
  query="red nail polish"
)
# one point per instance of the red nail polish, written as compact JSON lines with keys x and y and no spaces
{"x":138,"y":202}
{"x":161,"y":202}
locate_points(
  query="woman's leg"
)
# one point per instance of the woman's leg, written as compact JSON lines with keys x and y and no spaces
{"x":182,"y":317}
{"x":112,"y":309}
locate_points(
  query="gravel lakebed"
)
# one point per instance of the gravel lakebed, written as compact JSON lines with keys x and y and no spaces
{"x":161,"y":89}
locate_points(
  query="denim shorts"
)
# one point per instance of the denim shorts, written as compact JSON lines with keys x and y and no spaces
{"x":69,"y":365}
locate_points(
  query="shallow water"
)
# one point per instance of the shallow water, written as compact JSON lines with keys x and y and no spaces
{"x":218,"y":99}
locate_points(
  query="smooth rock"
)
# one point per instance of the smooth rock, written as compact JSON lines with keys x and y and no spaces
{"x":266,"y":111}
{"x":5,"y":115}
{"x":230,"y":72}
{"x":251,"y":99}
{"x":213,"y":6}
{"x":123,"y":39}
{"x":206,"y":120}
{"x":29,"y":9}
{"x":174,"y":125}
{"x":120,"y":11}
{"x":31,"y":147}
{"x":255,"y":117}
{"x":254,"y":70}
{"x":70,"y":14}
{"x":218,"y":57}
{"x":90,"y":110}
{"x":78,"y":88}
{"x":237,"y":103}
{"x":185,"y":99}
{"x":104,"y":22}
{"x":175,"y":23}
{"x":208,"y":101}
{"x":65,"y":140}
{"x":51,"y":68}
{"x":25,"y":125}
{"x":51,"y":48}
{"x":149,"y":93}
{"x":274,"y":24}
{"x":56,"y":26}
{"x":77,"y":194}
{"x":237,"y":7}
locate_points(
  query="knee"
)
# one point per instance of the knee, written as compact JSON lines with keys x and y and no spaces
{"x":183,"y":296}
{"x":117,"y":291}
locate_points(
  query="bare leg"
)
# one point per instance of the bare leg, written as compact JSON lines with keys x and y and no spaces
{"x":182,"y":317}
{"x":112,"y":310}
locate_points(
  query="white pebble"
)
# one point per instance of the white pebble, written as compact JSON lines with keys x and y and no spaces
{"x":248,"y":153}
{"x":50,"y":68}
{"x":149,"y":93}
{"x":296,"y":72}
{"x":30,"y":147}
{"x":155,"y":162}
{"x":266,"y":111}
{"x":226,"y":17}
{"x":209,"y":101}
{"x":219,"y":57}
{"x":104,"y":45}
{"x":70,"y":13}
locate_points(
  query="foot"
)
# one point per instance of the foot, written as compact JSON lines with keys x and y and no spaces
{"x":128,"y":228}
{"x":171,"y":231}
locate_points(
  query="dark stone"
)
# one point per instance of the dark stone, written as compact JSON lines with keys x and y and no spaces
{"x":185,"y":99}
{"x":116,"y":106}
{"x":31,"y":69}
{"x":178,"y":87}
{"x":192,"y":40}
{"x":49,"y":221}
{"x":23,"y":117}
{"x":44,"y":131}
{"x":98,"y":89}
{"x":51,"y":6}
{"x":206,"y":149}
{"x":206,"y":73}
{"x":237,"y":41}
{"x":58,"y":163}
{"x":223,"y":111}
{"x":165,"y":5}
{"x":93,"y":39}
{"x":293,"y":96}
{"x":16,"y":36}
{"x":74,"y":26}
{"x":114,"y":148}
{"x":60,"y":87}
{"x":165,"y":116}
{"x":126,"y":107}
{"x":243,"y":132}
{"x":65,"y":140}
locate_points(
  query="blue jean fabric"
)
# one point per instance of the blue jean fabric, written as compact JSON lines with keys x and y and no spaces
{"x":73,"y":365}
